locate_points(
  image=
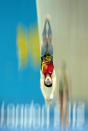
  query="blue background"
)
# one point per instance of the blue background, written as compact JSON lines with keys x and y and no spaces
{"x":17,"y":86}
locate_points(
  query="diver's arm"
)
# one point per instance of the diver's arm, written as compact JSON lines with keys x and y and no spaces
{"x":54,"y":82}
{"x":49,"y":30}
{"x":42,"y":84}
{"x":44,"y":33}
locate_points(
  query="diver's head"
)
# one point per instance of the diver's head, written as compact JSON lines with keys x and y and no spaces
{"x":48,"y":81}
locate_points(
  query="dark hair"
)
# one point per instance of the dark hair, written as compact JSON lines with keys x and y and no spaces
{"x":47,"y":85}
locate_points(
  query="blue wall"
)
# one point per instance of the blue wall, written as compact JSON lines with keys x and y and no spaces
{"x":16,"y":86}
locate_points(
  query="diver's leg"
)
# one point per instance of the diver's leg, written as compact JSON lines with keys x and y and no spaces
{"x":47,"y":37}
{"x":44,"y":40}
{"x":44,"y":33}
{"x":49,"y":32}
{"x":50,"y":46}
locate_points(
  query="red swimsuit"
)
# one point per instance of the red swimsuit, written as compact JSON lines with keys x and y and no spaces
{"x":47,"y":68}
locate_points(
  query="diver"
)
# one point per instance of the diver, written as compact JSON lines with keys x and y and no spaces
{"x":48,"y":76}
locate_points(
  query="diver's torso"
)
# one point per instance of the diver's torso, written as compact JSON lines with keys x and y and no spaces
{"x":47,"y":66}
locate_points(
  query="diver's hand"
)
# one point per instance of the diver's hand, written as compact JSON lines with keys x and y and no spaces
{"x":49,"y":101}
{"x":51,"y":96}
